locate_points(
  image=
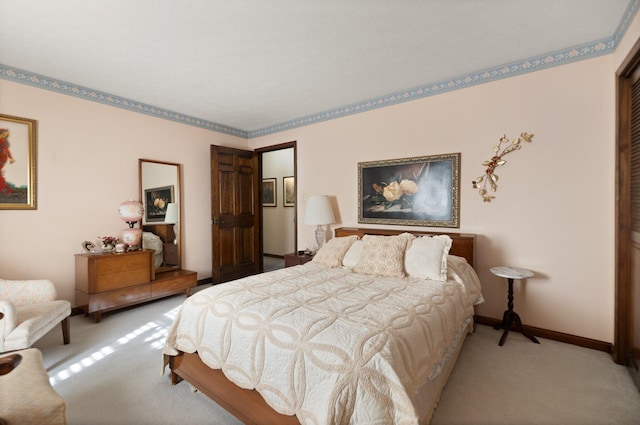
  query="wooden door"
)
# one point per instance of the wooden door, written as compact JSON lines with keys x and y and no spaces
{"x":633,"y":241}
{"x":627,"y":326}
{"x":235,"y":217}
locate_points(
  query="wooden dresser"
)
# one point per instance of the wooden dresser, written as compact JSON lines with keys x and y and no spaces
{"x":111,"y":281}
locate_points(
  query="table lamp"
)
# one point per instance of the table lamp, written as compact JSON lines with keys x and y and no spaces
{"x":172,"y":217}
{"x":131,"y":212}
{"x":319,"y":212}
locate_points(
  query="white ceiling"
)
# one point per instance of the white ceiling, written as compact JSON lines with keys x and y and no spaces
{"x":254,"y":64}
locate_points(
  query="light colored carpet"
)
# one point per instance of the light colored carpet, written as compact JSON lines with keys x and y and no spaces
{"x":522,"y":383}
{"x":111,"y":374}
{"x":272,"y":263}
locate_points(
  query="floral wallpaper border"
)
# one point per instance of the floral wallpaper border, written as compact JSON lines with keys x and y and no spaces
{"x":573,"y":54}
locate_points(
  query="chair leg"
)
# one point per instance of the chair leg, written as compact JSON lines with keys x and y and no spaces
{"x":66,"y":337}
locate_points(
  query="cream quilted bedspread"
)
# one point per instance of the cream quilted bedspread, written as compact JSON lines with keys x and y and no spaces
{"x":326,"y":344}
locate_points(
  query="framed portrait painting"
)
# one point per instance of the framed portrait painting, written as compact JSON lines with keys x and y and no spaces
{"x":269,"y":192}
{"x":421,"y":191}
{"x":17,"y":163}
{"x":289,"y":194}
{"x":155,"y":202}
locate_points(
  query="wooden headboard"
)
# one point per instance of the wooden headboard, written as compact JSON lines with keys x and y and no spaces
{"x":463,"y":243}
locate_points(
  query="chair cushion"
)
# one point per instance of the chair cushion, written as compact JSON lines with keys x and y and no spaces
{"x":34,"y":321}
{"x":27,"y":396}
{"x":22,"y":292}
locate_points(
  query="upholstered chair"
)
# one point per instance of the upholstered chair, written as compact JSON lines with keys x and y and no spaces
{"x":28,"y":310}
{"x":26,"y":395}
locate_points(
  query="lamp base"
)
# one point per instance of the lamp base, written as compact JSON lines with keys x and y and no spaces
{"x":175,"y":234}
{"x":132,"y":238}
{"x":320,"y":234}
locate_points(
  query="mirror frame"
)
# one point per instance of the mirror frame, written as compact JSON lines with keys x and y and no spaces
{"x":177,"y":199}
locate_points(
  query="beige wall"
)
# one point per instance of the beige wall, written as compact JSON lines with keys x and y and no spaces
{"x":554,"y":211}
{"x":87,"y":165}
{"x":554,"y":208}
{"x":278,"y":223}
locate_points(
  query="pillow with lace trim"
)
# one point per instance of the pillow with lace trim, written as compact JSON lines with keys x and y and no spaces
{"x":332,"y":252}
{"x":383,"y":255}
{"x":426,"y":257}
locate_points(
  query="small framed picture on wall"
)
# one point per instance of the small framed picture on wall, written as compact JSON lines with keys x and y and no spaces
{"x":269,"y":192}
{"x":289,"y":192}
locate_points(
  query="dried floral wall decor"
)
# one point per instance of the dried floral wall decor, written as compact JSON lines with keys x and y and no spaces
{"x":490,"y":178}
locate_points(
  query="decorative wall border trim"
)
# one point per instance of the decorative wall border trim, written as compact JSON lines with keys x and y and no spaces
{"x":548,"y":60}
{"x":627,"y":17}
{"x":47,"y":83}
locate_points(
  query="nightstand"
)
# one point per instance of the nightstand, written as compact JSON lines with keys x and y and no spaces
{"x":295,"y":259}
{"x":510,"y":317}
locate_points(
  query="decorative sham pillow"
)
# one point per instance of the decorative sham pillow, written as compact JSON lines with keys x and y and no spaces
{"x":353,"y":254}
{"x":383,"y":255}
{"x":332,"y":252}
{"x":426,"y":257}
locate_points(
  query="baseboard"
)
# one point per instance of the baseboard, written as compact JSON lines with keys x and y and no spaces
{"x":76,"y":311}
{"x":205,"y":281}
{"x":556,"y":336}
{"x":274,"y":256}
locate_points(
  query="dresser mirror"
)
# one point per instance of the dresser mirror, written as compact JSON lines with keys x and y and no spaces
{"x":160,"y":194}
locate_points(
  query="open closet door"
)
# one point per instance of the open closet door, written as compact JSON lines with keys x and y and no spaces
{"x":235,"y":218}
{"x":627,"y":329}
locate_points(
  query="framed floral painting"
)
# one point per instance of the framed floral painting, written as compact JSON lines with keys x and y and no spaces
{"x":156,"y":201}
{"x":17,"y":163}
{"x":421,"y":191}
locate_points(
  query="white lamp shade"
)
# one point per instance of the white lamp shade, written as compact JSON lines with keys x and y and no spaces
{"x":171,"y":215}
{"x":318,"y":210}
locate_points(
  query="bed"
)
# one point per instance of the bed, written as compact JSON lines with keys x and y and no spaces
{"x":344,"y":339}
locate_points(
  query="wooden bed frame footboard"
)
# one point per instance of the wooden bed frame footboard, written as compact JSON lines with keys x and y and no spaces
{"x":248,"y":405}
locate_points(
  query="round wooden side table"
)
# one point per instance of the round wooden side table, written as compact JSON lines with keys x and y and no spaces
{"x":510,"y":317}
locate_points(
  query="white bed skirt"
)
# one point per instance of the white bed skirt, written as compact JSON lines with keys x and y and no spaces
{"x":428,"y":395}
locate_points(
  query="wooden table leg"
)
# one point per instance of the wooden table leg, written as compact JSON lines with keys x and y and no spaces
{"x":509,"y":318}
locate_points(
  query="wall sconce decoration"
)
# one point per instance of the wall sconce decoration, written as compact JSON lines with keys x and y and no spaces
{"x":496,"y":160}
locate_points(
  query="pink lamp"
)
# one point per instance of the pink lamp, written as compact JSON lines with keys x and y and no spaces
{"x":131,"y":212}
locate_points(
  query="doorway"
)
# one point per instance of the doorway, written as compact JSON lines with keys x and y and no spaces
{"x":278,"y":172}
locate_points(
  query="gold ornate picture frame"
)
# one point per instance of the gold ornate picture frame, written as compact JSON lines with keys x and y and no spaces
{"x":421,"y":191}
{"x":18,"y":138}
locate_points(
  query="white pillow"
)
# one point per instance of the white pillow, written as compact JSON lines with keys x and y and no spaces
{"x":353,"y":254}
{"x":383,"y":255}
{"x":332,"y":252}
{"x":426,"y":257}
{"x":459,"y":270}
